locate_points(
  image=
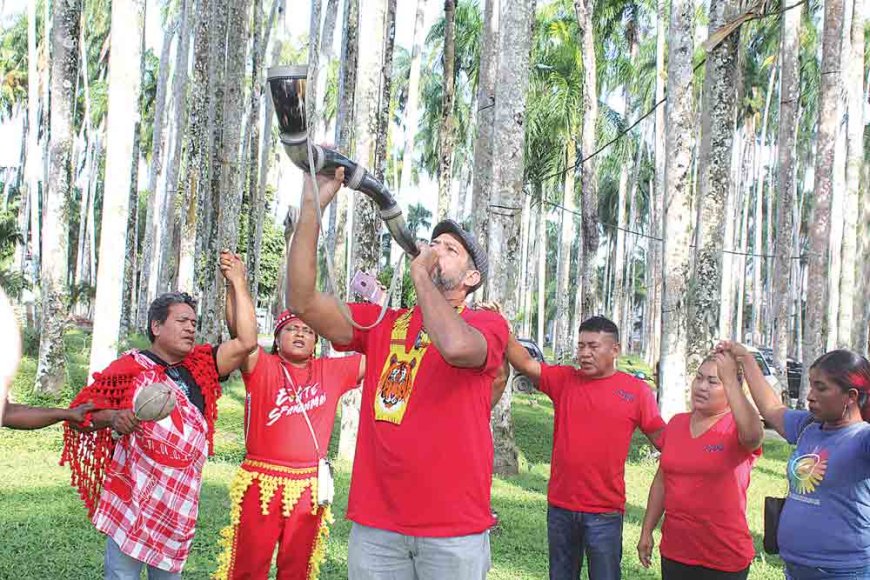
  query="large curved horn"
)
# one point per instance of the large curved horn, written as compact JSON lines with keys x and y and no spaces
{"x":287,"y":87}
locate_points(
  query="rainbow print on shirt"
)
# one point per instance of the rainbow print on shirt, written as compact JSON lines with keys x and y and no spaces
{"x":806,"y":472}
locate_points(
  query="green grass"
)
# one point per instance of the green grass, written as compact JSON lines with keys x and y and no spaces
{"x":46,"y":533}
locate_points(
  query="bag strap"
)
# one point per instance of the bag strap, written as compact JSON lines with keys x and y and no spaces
{"x":304,"y":412}
{"x":803,"y":430}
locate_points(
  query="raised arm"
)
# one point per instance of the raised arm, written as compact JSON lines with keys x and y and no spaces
{"x":749,"y":428}
{"x":233,"y":353}
{"x":459,"y":343}
{"x":320,"y":311}
{"x":655,"y":508}
{"x":521,"y":360}
{"x":251,"y":361}
{"x":769,"y":405}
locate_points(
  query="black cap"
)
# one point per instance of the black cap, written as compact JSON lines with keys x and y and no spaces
{"x":469,"y":242}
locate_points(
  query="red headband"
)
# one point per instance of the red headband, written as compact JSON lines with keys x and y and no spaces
{"x":859,"y":381}
{"x":283,"y":320}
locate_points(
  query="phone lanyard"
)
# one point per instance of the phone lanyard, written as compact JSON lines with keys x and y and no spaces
{"x":302,"y":406}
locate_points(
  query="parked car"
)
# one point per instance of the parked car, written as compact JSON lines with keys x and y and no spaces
{"x":769,"y":374}
{"x":521,"y":382}
{"x":795,"y":371}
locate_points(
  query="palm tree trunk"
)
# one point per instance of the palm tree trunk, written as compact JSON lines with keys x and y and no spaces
{"x":339,"y":211}
{"x":714,"y":166}
{"x":542,"y":272}
{"x":50,"y":373}
{"x":783,"y":270}
{"x":386,"y":82}
{"x":445,"y":130}
{"x":746,"y":200}
{"x":758,"y":260}
{"x":214,"y":229}
{"x":364,"y":251}
{"x":254,"y":192}
{"x":588,"y":180}
{"x":34,"y":161}
{"x":732,"y":210}
{"x":412,"y":105}
{"x":229,"y":162}
{"x":654,"y":292}
{"x":195,"y":189}
{"x":820,"y":224}
{"x":483,"y":144}
{"x":124,"y":84}
{"x":677,"y":232}
{"x":561,"y":329}
{"x":524,"y":264}
{"x":153,"y":220}
{"x":851,"y":302}
{"x":504,"y":228}
{"x":170,"y":216}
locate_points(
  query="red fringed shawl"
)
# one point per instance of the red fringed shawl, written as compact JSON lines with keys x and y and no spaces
{"x":88,"y":453}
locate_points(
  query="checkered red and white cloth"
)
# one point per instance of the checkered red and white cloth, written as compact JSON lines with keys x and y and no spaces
{"x":150,"y":497}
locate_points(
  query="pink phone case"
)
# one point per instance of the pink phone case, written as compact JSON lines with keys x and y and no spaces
{"x":367,"y":286}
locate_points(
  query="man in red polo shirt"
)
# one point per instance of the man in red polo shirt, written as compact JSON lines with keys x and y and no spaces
{"x":597,"y":409}
{"x":420,"y":492}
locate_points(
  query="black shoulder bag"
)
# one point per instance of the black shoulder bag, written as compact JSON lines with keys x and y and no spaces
{"x":773,"y":509}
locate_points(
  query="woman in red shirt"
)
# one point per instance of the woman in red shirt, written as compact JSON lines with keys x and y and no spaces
{"x":703,"y":476}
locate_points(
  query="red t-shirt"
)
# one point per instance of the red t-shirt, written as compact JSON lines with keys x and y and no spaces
{"x":276,"y":428}
{"x":430,"y":474}
{"x":595,"y":419}
{"x":705,"y":495}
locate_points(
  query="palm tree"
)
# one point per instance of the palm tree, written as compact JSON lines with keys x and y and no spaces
{"x":585,"y":298}
{"x":124,"y":86}
{"x":65,"y":61}
{"x":556,"y":96}
{"x":717,"y":132}
{"x":411,"y":112}
{"x":364,"y":252}
{"x":445,"y":131}
{"x":820,"y":225}
{"x":194,"y":184}
{"x":153,"y":219}
{"x":483,"y":144}
{"x":786,"y":187}
{"x":418,"y":217}
{"x":677,"y":218}
{"x":850,"y":301}
{"x":504,"y":228}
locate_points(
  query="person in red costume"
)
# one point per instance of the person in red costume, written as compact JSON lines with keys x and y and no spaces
{"x":290,"y":404}
{"x":140,"y":480}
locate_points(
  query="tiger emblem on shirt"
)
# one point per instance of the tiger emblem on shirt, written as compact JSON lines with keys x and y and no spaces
{"x":396,"y":385}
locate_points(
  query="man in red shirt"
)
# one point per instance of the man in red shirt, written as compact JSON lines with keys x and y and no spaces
{"x":420,"y":492}
{"x":597,"y":409}
{"x":274,"y":494}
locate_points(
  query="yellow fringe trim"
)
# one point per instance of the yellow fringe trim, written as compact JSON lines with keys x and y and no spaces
{"x":318,"y":552}
{"x":292,"y":491}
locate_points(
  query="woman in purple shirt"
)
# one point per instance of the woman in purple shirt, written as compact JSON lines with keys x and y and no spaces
{"x":824,"y":529}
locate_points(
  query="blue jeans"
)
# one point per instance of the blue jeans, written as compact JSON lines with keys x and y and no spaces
{"x":574,"y":534}
{"x":120,"y":566}
{"x":799,"y":572}
{"x":375,"y":554}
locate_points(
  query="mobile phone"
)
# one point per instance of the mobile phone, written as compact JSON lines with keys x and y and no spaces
{"x":367,"y":286}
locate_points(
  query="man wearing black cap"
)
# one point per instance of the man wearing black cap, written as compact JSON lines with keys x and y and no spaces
{"x":420,"y":491}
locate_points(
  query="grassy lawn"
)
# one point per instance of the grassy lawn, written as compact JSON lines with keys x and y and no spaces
{"x":46,"y":533}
